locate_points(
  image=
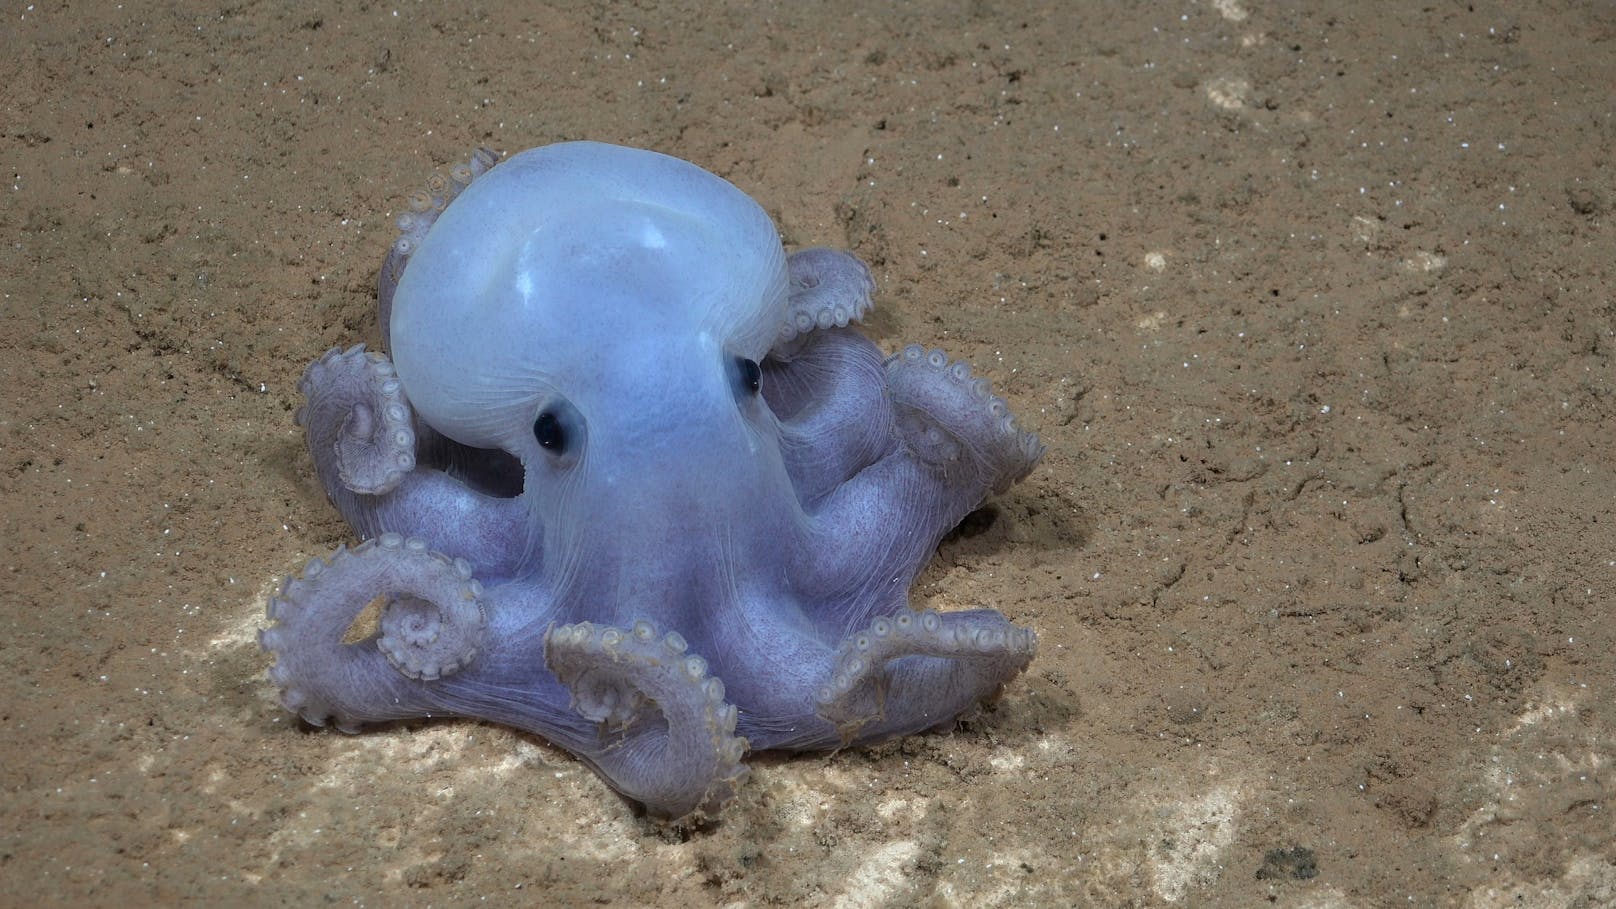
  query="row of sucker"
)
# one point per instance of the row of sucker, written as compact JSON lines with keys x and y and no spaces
{"x":426,"y":204}
{"x":949,"y":418}
{"x":614,"y":675}
{"x":855,"y":693}
{"x":376,"y":445}
{"x":428,"y":639}
{"x":432,"y":626}
{"x":829,"y":288}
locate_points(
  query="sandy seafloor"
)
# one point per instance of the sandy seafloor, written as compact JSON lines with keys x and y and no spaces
{"x":1313,"y":304}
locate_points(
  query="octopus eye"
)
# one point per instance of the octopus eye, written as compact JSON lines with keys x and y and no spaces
{"x":547,"y":430}
{"x":751,"y":375}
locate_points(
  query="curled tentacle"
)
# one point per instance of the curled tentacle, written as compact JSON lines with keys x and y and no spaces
{"x":667,"y":733}
{"x":428,"y":639}
{"x":956,"y":423}
{"x":432,"y":626}
{"x":829,"y":288}
{"x":424,"y":206}
{"x":357,"y":416}
{"x":978,"y":650}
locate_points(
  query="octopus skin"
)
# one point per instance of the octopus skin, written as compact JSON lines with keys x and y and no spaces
{"x":632,"y":481}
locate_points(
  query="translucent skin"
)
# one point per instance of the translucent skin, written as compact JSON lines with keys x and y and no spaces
{"x":633,"y":483}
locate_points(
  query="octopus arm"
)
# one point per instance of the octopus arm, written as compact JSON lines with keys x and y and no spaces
{"x":432,"y":625}
{"x":829,"y":288}
{"x":424,"y":207}
{"x":830,"y":399}
{"x":666,"y":733}
{"x":363,"y":440}
{"x":958,"y":445}
{"x":916,"y":670}
{"x":869,"y":538}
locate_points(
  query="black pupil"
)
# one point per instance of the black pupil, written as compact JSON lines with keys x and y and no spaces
{"x":547,"y":429}
{"x":751,"y":375}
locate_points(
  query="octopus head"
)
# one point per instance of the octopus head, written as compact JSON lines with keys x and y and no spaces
{"x":591,"y":302}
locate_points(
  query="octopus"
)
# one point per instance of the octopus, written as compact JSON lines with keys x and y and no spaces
{"x":632,"y":481}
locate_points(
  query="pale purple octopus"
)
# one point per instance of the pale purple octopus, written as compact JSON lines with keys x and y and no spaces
{"x":631,"y":483}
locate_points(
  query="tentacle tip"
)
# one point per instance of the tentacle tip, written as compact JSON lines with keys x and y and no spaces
{"x":736,"y":750}
{"x":848,"y":730}
{"x":719,"y":796}
{"x":438,"y":633}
